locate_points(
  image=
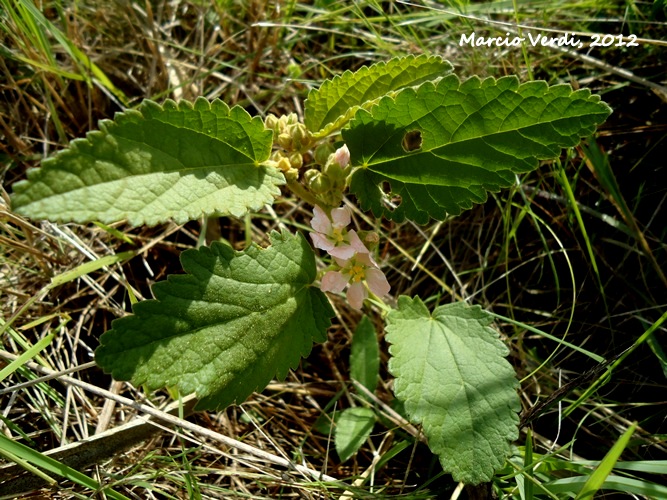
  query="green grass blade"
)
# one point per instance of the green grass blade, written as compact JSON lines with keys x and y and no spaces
{"x":27,"y":466}
{"x":528,"y":466}
{"x":27,"y":355}
{"x":115,"y":233}
{"x":24,"y":453}
{"x":49,"y":68}
{"x":598,"y":162}
{"x":89,"y":267}
{"x":84,"y":63}
{"x":659,"y":353}
{"x":590,"y":354}
{"x":594,"y":386}
{"x":582,"y":227}
{"x":645,"y":466}
{"x":597,"y":479}
{"x":617,"y":483}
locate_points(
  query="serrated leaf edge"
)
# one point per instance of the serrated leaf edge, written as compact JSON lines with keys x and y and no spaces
{"x":331,"y":127}
{"x":143,"y":112}
{"x":424,"y":216}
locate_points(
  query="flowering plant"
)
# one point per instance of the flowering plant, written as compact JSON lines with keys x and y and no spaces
{"x":354,"y":263}
{"x":331,"y":234}
{"x":419,"y":144}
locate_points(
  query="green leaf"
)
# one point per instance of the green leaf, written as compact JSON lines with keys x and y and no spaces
{"x":452,"y":375}
{"x":331,"y":106}
{"x":227,"y":327}
{"x":365,"y":355}
{"x":178,"y":161}
{"x":440,"y":148}
{"x":352,"y":430}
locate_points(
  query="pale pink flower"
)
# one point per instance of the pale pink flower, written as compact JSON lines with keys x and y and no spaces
{"x":361,"y":273}
{"x":342,"y":156}
{"x":332,"y":236}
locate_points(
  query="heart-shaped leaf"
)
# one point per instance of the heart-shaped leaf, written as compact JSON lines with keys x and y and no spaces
{"x":178,"y":161}
{"x":227,"y":327}
{"x":437,"y":149}
{"x":453,"y":378}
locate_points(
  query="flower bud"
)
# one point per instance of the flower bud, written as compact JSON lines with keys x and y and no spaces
{"x":277,"y":156}
{"x":285,"y":141}
{"x":322,"y":153}
{"x":333,"y":170}
{"x":342,"y":156}
{"x":321,"y":185}
{"x":271,"y":121}
{"x":282,"y":124}
{"x":309,"y":175}
{"x":296,"y":160}
{"x":291,"y":174}
{"x":294,"y":70}
{"x":284,"y":164}
{"x":301,"y":137}
{"x":318,"y":183}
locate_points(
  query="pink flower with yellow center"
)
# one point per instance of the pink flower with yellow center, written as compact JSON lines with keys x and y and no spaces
{"x":332,"y":236}
{"x":362,"y":274}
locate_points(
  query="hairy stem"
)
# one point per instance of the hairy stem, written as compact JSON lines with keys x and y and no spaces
{"x":299,"y":189}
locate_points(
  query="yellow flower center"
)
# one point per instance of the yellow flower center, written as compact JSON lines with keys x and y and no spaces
{"x":357,"y":273}
{"x":337,"y":236}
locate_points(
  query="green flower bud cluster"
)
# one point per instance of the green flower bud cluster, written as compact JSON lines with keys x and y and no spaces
{"x":289,"y":165}
{"x":330,"y":182}
{"x":293,"y":138}
{"x":289,"y":133}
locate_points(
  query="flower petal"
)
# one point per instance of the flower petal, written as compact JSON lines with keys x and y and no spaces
{"x":377,"y":282}
{"x":341,"y":217}
{"x":320,"y":241}
{"x":342,"y":156}
{"x":355,"y":242}
{"x":366,"y":259}
{"x":320,"y":221}
{"x":341,"y":252}
{"x":334,"y":281}
{"x":356,"y":295}
{"x":341,"y":262}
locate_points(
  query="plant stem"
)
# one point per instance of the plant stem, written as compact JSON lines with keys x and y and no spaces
{"x":378,"y":301}
{"x":298,"y":189}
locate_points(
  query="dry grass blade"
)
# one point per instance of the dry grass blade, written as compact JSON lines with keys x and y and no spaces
{"x":167,"y":417}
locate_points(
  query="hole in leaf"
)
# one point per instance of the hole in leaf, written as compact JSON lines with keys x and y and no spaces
{"x":391,"y":200}
{"x":412,"y":141}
